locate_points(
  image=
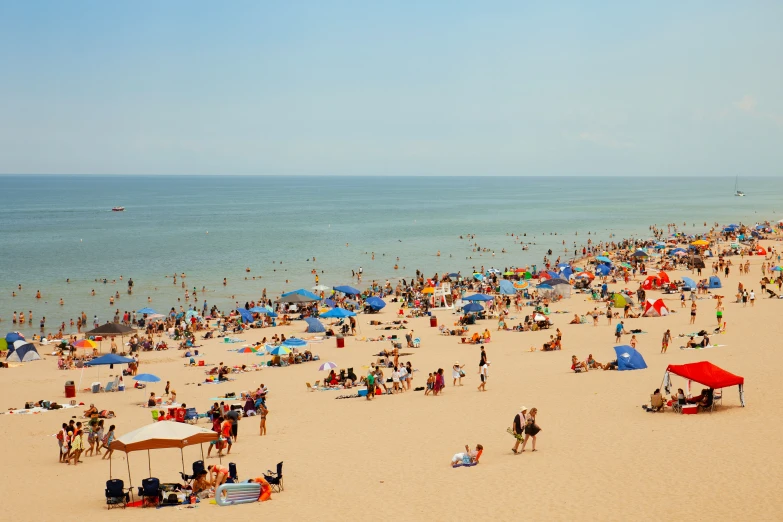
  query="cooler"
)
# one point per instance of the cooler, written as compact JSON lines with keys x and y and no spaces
{"x":690,"y":409}
{"x":70,"y":389}
{"x":433,"y":321}
{"x":201,"y":363}
{"x":96,"y":387}
{"x":98,"y":338}
{"x":340,"y":341}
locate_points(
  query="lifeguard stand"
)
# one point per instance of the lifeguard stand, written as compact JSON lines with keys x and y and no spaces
{"x":441,"y":297}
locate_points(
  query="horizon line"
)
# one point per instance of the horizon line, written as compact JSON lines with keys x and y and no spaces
{"x":11,"y":174}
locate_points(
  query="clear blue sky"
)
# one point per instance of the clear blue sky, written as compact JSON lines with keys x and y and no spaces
{"x":391,"y":88}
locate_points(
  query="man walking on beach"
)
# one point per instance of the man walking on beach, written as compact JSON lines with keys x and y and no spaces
{"x":619,"y":331}
{"x":484,"y":376}
{"x":370,"y":385}
{"x":667,"y":337}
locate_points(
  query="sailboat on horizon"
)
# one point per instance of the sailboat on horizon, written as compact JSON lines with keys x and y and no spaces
{"x":737,"y":191}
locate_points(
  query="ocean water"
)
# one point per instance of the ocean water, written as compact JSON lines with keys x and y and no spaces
{"x":54,"y":228}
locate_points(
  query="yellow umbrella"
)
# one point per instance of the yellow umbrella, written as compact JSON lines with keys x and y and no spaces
{"x":428,"y":290}
{"x":700,"y":242}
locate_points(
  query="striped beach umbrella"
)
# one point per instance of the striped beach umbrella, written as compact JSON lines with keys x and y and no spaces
{"x":327,"y":366}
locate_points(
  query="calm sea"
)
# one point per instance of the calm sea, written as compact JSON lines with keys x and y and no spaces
{"x":54,"y":228}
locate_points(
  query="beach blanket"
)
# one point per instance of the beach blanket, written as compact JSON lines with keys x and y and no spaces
{"x":463,"y":465}
{"x":702,"y":347}
{"x":36,"y":410}
{"x":233,"y":340}
{"x":217,"y":382}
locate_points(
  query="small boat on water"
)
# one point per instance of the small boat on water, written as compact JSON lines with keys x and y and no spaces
{"x":118,"y":209}
{"x":737,"y":191}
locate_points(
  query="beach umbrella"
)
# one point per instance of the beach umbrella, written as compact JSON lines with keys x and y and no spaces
{"x":109,"y":358}
{"x":279,"y":350}
{"x":327,"y":366}
{"x":345,"y":289}
{"x":86,"y":344}
{"x":478,"y":297}
{"x":314,"y":325}
{"x":294,"y":342}
{"x":700,"y":242}
{"x":777,"y":269}
{"x":472,"y":307}
{"x":602,"y":270}
{"x":376,"y":303}
{"x":191,"y":313}
{"x":320,"y":288}
{"x":478,"y":277}
{"x":330,"y":303}
{"x":428,"y":290}
{"x":12,"y":337}
{"x":629,"y":359}
{"x":626,"y":265}
{"x":146,"y":377}
{"x":338,"y":313}
{"x":454,"y":275}
{"x":639,"y":253}
{"x":680,"y":253}
{"x":521,"y":285}
{"x":146,"y":311}
{"x":247,"y":349}
{"x":603,"y":259}
{"x":305,"y":293}
{"x":247,"y":317}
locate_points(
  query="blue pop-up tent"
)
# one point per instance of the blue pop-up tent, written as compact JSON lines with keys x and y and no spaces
{"x":629,"y":359}
{"x":376,"y":303}
{"x":715,"y":282}
{"x":22,"y":351}
{"x":690,"y":284}
{"x":246,"y":315}
{"x":507,"y":287}
{"x":602,"y":270}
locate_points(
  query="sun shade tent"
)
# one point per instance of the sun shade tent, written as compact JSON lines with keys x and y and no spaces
{"x":629,"y":359}
{"x":161,"y":435}
{"x":305,"y":293}
{"x":111,"y":329}
{"x":706,"y":373}
{"x":690,"y":284}
{"x":22,"y":351}
{"x":715,"y":282}
{"x":507,"y":287}
{"x":109,"y":358}
{"x":619,"y":301}
{"x":478,"y":297}
{"x":655,"y":308}
{"x":602,"y":270}
{"x":338,"y":312}
{"x":314,"y":325}
{"x":293,"y":298}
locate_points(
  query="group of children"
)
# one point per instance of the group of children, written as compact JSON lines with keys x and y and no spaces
{"x":70,"y":440}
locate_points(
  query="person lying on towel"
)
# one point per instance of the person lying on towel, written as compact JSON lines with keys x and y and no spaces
{"x":468,"y":458}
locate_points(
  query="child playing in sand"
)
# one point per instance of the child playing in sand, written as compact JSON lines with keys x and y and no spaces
{"x":468,"y":458}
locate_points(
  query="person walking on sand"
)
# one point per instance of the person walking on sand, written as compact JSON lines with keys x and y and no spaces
{"x":667,"y":338}
{"x":483,"y":359}
{"x":457,"y":373}
{"x":484,"y":376}
{"x":752,"y":298}
{"x":518,"y":428}
{"x":693,"y":312}
{"x":106,"y":443}
{"x":531,"y":428}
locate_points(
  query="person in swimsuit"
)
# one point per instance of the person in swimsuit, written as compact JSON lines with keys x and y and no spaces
{"x":217,"y":474}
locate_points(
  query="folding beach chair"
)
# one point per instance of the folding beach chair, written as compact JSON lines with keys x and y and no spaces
{"x":717,"y":396}
{"x":116,"y":494}
{"x":275,"y":479}
{"x":109,"y":386}
{"x":149,"y":492}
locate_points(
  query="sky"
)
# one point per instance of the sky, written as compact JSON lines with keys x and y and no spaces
{"x":405,"y":88}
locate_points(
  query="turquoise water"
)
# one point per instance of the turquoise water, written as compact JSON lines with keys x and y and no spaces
{"x":58,"y":227}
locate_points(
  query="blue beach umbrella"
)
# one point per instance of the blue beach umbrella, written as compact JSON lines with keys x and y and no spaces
{"x":303,"y":292}
{"x":689,"y":283}
{"x":349,"y":290}
{"x":603,"y":259}
{"x":478,"y":297}
{"x":330,"y":303}
{"x":294,"y":342}
{"x":602,"y":270}
{"x":376,"y":303}
{"x":338,"y":313}
{"x":146,"y":377}
{"x":148,"y":311}
{"x":12,"y":337}
{"x":314,"y":325}
{"x":246,"y":315}
{"x":109,"y":358}
{"x":472,"y":307}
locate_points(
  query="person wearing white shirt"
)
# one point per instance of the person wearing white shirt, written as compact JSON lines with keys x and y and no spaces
{"x":484,"y":376}
{"x":403,"y":376}
{"x":395,"y":380}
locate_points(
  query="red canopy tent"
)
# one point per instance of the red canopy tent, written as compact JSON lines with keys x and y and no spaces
{"x":708,"y":374}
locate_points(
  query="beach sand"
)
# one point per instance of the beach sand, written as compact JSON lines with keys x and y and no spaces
{"x":601,"y":457}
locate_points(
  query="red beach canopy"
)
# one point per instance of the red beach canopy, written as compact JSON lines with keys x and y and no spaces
{"x":707,"y":374}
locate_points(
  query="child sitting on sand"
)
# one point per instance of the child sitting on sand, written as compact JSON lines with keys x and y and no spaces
{"x":468,"y":458}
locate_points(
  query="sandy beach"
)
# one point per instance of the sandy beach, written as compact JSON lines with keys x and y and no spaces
{"x":600,"y":456}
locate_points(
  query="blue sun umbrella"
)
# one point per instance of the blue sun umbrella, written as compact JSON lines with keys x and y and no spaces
{"x":146,"y":377}
{"x":294,"y":342}
{"x":247,"y":317}
{"x":349,"y":290}
{"x":279,"y":350}
{"x":472,"y":307}
{"x":306,"y":293}
{"x":478,"y":297}
{"x":376,"y":303}
{"x":148,"y":311}
{"x":338,"y":313}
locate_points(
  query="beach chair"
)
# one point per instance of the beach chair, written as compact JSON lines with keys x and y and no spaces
{"x":154,"y":415}
{"x":310,"y":387}
{"x":233,"y":477}
{"x":198,"y":470}
{"x":191,"y":415}
{"x":417,"y":343}
{"x":275,"y":479}
{"x":116,"y":494}
{"x":109,"y":386}
{"x":717,"y":396}
{"x":149,"y":492}
{"x":677,"y":406}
